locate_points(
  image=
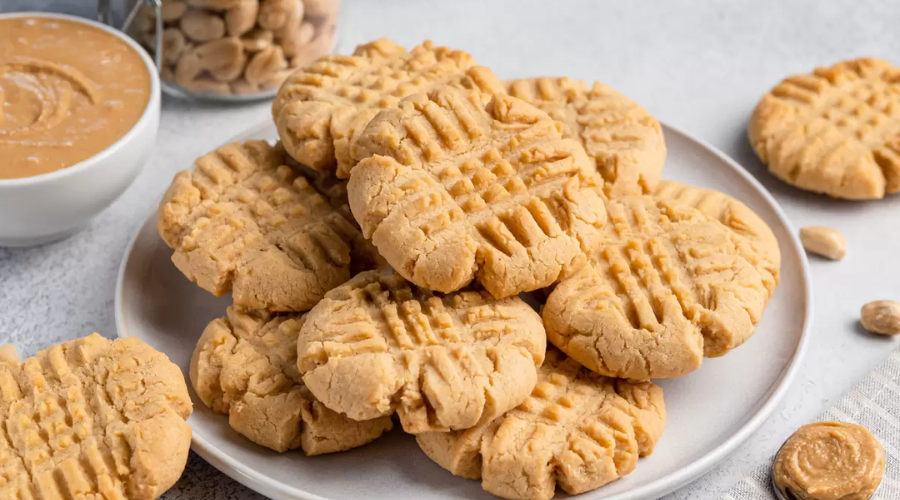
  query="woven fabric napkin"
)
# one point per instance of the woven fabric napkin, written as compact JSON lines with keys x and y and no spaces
{"x":874,"y":404}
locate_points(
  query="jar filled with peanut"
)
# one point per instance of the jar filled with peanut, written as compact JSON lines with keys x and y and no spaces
{"x":236,"y":49}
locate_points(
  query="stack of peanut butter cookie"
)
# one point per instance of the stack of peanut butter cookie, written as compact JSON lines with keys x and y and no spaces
{"x":377,"y":252}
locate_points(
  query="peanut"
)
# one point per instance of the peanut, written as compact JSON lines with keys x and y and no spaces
{"x":321,"y":8}
{"x":306,"y":33}
{"x":242,"y":18}
{"x":208,"y":86}
{"x":223,"y":58}
{"x":294,"y":34}
{"x":273,"y":14}
{"x":257,"y":40}
{"x":188,"y":68}
{"x":202,"y":26}
{"x":824,"y":241}
{"x":230,"y":70}
{"x":173,"y":46}
{"x":145,"y":21}
{"x":264,"y":64}
{"x":172,"y":10}
{"x":312,"y":51}
{"x":882,"y":317}
{"x":167,"y":74}
{"x":214,"y":4}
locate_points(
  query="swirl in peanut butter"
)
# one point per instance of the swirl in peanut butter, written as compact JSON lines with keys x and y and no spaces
{"x":830,"y":461}
{"x":67,"y":91}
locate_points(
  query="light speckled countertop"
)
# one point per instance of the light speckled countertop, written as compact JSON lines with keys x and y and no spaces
{"x":697,"y":65}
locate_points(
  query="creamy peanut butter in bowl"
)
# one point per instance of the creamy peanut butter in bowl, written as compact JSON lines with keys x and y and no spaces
{"x":79,"y":112}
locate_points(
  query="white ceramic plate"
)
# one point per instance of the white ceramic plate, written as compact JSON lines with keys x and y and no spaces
{"x":711,"y":411}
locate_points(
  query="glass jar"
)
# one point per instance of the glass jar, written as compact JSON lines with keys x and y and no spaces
{"x":234,"y":49}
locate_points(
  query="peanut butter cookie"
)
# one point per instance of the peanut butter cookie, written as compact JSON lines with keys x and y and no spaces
{"x":737,"y":216}
{"x":578,"y":429}
{"x":92,"y":418}
{"x":667,"y":286}
{"x":624,"y":140}
{"x":452,"y":189}
{"x":365,"y":255}
{"x":835,"y":131}
{"x":377,"y":345}
{"x":244,"y":221}
{"x":245,"y":366}
{"x":321,"y":108}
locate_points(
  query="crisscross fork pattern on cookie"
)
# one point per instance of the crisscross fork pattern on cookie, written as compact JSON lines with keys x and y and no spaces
{"x":245,"y":366}
{"x":578,"y":429}
{"x":243,"y":221}
{"x":624,"y":140}
{"x":836,"y":131}
{"x":321,"y":108}
{"x":378,"y":344}
{"x":455,"y":190}
{"x":94,"y":418}
{"x":737,"y":217}
{"x":667,"y":286}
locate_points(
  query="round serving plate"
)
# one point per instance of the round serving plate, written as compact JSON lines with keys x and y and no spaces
{"x":711,"y":411}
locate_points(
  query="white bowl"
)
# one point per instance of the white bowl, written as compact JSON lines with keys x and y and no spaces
{"x":52,"y":206}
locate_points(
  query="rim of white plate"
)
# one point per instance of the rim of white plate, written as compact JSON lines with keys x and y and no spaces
{"x":267,"y":486}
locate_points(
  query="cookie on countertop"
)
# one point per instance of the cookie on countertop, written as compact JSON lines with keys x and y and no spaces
{"x":452,"y":190}
{"x":578,"y":430}
{"x":92,"y":418}
{"x":667,"y":286}
{"x":245,"y":366}
{"x":734,"y":214}
{"x":624,"y":140}
{"x":378,"y":345}
{"x":321,"y":108}
{"x":244,"y":221}
{"x":835,"y":131}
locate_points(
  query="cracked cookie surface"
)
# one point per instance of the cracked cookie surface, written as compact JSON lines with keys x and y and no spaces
{"x":92,"y":418}
{"x":244,"y":221}
{"x":322,"y":108}
{"x":454,"y":190}
{"x":578,"y":430}
{"x":736,"y":216}
{"x":624,"y":140}
{"x":245,"y":366}
{"x":835,"y":131}
{"x":667,"y":286}
{"x":378,"y":345}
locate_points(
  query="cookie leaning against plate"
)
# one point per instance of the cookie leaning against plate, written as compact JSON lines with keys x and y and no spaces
{"x":452,"y":189}
{"x":624,"y":140}
{"x":94,"y":418}
{"x":737,"y":217}
{"x":321,"y":108}
{"x":245,"y":366}
{"x":578,"y":429}
{"x":243,"y":221}
{"x":378,"y":345}
{"x":835,"y":131}
{"x":667,"y":286}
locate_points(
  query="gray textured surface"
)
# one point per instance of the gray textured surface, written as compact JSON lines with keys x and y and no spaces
{"x":697,"y":65}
